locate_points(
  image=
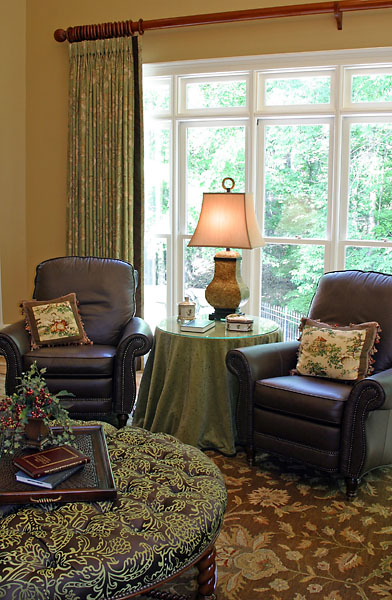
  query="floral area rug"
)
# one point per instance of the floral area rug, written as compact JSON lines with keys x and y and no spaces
{"x":290,"y":534}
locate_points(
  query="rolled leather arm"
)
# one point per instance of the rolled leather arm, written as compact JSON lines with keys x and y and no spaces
{"x":14,"y":343}
{"x":363,"y":448}
{"x":250,"y":364}
{"x":136,"y":340}
{"x":263,"y":360}
{"x":139,"y":332}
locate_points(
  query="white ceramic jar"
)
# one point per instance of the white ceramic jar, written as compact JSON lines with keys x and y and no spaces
{"x":186,"y":310}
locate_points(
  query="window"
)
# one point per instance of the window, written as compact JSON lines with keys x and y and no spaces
{"x":309,"y":135}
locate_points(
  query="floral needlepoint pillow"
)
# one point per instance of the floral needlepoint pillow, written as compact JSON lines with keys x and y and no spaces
{"x":54,"y":322}
{"x":337,"y":352}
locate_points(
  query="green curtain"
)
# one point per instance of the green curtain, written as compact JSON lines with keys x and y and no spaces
{"x":105,"y":211}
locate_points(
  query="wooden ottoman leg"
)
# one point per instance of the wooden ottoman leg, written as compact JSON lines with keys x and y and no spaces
{"x":207,"y":576}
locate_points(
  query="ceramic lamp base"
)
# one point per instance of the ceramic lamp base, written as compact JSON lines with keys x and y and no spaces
{"x":227,"y":292}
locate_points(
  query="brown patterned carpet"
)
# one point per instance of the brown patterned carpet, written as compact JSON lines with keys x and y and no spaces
{"x":289,"y":534}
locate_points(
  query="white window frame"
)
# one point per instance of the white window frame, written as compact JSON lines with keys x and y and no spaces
{"x":342,"y":65}
{"x":215,"y":111}
{"x":264,"y":108}
{"x":344,"y":241}
{"x":349,"y":73}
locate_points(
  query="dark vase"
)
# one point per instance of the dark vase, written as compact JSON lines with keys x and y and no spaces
{"x":35,"y":433}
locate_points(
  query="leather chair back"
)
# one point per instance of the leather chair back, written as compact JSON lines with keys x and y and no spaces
{"x":344,"y":297}
{"x":104,"y":287}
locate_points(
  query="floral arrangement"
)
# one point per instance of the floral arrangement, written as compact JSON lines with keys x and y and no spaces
{"x":32,"y":400}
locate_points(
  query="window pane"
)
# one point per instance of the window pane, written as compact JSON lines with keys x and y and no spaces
{"x":157,"y":179}
{"x":215,"y":94}
{"x":198,"y":273}
{"x":298,"y":90}
{"x":155,"y":282}
{"x":290,"y":273}
{"x":372,"y":88}
{"x":156,"y":95}
{"x":369,"y":259}
{"x":296,"y":180}
{"x":212,"y":153}
{"x":370,"y":181}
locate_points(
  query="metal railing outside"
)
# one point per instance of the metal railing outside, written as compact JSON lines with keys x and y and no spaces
{"x":288,"y":319}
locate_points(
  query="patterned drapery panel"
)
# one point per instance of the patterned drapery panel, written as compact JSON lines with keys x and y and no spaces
{"x":105,"y":212}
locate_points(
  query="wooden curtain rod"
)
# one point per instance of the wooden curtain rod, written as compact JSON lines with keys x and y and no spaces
{"x":127,"y":28}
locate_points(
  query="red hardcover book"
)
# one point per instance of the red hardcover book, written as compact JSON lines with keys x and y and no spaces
{"x":50,"y":460}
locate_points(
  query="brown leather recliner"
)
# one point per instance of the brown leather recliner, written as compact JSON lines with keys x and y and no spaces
{"x":102,"y":375}
{"x":338,"y":427}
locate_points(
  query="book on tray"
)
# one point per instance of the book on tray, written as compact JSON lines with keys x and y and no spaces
{"x":49,"y":481}
{"x":50,"y":460}
{"x":200,"y":325}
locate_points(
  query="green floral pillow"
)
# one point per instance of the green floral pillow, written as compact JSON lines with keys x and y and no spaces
{"x":336,"y":352}
{"x":54,"y":322}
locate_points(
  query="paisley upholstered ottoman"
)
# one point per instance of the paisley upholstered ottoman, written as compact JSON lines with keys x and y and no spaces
{"x":169,"y":508}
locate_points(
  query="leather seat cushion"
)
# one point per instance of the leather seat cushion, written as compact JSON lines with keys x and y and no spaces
{"x":78,"y":361}
{"x":292,"y":430}
{"x":309,"y":398}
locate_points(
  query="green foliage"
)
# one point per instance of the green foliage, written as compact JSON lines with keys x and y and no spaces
{"x":156,"y":98}
{"x":301,"y":90}
{"x":369,"y":259}
{"x":372,"y":88}
{"x":32,"y":400}
{"x":370,"y":195}
{"x":296,"y":180}
{"x":216,"y":95}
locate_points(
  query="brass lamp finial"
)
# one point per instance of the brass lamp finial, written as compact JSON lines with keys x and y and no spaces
{"x":226,"y":187}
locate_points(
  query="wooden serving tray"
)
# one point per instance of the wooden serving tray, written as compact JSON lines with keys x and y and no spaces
{"x":93,"y":482}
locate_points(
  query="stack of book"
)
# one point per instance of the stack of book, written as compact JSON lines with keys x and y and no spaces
{"x":50,"y":467}
{"x":199,"y":325}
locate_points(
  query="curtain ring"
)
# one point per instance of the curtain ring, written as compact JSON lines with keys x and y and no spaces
{"x":140,"y":26}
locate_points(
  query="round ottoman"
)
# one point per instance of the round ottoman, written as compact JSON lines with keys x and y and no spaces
{"x":169,"y":508}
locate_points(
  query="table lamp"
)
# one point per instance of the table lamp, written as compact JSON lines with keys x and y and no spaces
{"x":227,"y":220}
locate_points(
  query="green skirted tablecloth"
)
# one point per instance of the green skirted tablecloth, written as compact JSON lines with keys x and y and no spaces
{"x":186,"y":388}
{"x":169,"y":507}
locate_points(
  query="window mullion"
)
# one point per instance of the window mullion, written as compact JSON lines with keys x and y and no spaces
{"x":333,"y":259}
{"x":179,"y":224}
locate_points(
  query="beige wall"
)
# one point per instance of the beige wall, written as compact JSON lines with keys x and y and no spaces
{"x":46,"y":92}
{"x":12,"y":156}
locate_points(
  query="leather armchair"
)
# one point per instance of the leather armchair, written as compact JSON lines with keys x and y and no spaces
{"x":338,"y":427}
{"x":102,"y":375}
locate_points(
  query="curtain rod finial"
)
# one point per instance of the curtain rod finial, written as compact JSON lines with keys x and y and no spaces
{"x":60,"y":35}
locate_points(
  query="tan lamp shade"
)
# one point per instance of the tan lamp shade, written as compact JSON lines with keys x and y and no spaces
{"x":227,"y":220}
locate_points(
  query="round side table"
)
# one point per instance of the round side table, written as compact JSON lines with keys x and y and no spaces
{"x":186,"y":389}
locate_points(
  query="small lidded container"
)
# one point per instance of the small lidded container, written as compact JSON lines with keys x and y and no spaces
{"x":186,"y":310}
{"x":237,"y":322}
